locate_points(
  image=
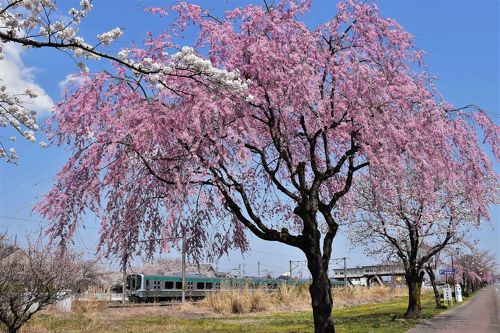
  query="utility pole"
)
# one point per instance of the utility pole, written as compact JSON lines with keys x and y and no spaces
{"x":183,"y":270}
{"x":345,"y":272}
{"x":336,"y":261}
{"x":297,"y":265}
{"x":258,"y":268}
{"x":124,"y":284}
{"x":124,"y":281}
{"x":453,"y":269}
{"x":243,"y":270}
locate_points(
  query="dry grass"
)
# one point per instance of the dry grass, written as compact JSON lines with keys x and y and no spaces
{"x":96,"y":316}
{"x":237,"y":301}
{"x":257,"y":300}
{"x":376,"y":318}
{"x":89,"y":306}
{"x":345,"y":297}
{"x":287,"y":298}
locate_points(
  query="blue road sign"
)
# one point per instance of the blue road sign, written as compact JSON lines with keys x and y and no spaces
{"x":447,"y":271}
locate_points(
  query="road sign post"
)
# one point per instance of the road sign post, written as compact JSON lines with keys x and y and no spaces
{"x":447,"y":294}
{"x":447,"y":271}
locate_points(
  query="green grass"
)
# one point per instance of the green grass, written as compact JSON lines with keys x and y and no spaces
{"x":384,"y":317}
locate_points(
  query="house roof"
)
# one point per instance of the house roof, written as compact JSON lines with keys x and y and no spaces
{"x":8,"y":250}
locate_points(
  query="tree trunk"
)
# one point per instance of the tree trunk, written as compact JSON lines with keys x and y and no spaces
{"x":13,"y":329}
{"x":465,"y":288}
{"x":414,"y":282}
{"x":321,"y":294}
{"x":432,"y":277}
{"x":322,"y":303}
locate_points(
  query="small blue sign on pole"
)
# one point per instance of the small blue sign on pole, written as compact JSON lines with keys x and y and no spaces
{"x":448,"y":271}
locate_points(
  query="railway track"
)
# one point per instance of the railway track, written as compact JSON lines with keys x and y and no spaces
{"x":145,"y":305}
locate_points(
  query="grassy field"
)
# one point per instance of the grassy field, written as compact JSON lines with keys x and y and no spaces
{"x":287,"y":299}
{"x":381,"y":317}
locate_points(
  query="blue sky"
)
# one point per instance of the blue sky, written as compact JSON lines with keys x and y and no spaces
{"x":461,"y":39}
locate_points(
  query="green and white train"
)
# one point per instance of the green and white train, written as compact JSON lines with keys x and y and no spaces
{"x":157,"y":288}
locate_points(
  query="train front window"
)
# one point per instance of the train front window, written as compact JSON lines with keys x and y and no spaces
{"x":139,"y":282}
{"x":128,"y":283}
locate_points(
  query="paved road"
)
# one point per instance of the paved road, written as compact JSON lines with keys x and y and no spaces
{"x":479,"y":315}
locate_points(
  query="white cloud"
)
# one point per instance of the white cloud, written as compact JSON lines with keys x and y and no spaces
{"x":70,"y":80}
{"x":17,"y":78}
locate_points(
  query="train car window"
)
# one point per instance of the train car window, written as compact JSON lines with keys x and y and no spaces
{"x":217,"y":285}
{"x":200,"y":285}
{"x":169,"y":285}
{"x":133,"y":284}
{"x":178,"y":285}
{"x":190,"y":285}
{"x":209,"y":285}
{"x":147,"y":283}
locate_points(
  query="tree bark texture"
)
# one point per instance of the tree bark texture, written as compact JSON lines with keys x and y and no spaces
{"x":414,"y":280}
{"x":432,"y":277}
{"x":13,"y":329}
{"x":321,"y":296}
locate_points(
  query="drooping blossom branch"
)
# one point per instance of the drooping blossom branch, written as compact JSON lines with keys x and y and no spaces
{"x":32,"y":24}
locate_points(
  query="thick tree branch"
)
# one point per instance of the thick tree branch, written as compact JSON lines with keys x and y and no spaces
{"x":272,"y":172}
{"x":255,"y":224}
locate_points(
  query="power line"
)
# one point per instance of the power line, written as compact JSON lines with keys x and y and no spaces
{"x":274,"y":254}
{"x":20,"y":219}
{"x":44,"y":180}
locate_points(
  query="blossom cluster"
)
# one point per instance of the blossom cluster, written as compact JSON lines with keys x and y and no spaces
{"x":184,"y":60}
{"x":33,"y":21}
{"x":108,"y":37}
{"x":189,"y":60}
{"x":28,"y":22}
{"x":14,"y":113}
{"x":24,"y":16}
